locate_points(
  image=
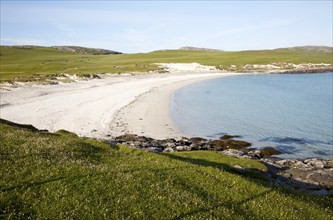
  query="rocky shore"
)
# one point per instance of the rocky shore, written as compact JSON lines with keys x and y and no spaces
{"x":312,"y":175}
{"x":306,"y":70}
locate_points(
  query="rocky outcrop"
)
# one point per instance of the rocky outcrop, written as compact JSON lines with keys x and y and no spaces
{"x":85,"y":50}
{"x":184,"y":144}
{"x":198,"y":49}
{"x":311,"y":175}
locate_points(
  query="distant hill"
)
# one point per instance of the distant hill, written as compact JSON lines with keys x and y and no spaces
{"x":86,"y":50}
{"x":198,"y":48}
{"x":320,"y":49}
{"x":71,"y":49}
{"x":31,"y":63}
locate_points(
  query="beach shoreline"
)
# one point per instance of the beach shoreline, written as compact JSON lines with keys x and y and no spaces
{"x":100,"y":108}
{"x":135,"y":111}
{"x":149,"y":114}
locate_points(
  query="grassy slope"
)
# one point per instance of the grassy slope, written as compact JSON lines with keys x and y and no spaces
{"x":61,"y":176}
{"x":21,"y":63}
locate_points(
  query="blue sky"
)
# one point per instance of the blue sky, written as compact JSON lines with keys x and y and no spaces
{"x":141,"y":26}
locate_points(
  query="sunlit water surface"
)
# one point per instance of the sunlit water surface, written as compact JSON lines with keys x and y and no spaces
{"x":290,"y":112}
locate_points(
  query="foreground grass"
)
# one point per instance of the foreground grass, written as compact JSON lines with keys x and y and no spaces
{"x":60,"y":176}
{"x":40,"y":63}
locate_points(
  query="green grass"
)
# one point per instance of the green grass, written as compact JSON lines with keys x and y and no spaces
{"x":61,"y":176}
{"x":40,"y":63}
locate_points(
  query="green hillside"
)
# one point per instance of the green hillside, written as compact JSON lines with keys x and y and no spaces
{"x":61,"y":176}
{"x":30,"y":63}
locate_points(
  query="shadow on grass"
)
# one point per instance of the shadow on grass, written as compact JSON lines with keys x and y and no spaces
{"x":235,"y":206}
{"x":29,"y":184}
{"x":253,"y":174}
{"x":14,"y":207}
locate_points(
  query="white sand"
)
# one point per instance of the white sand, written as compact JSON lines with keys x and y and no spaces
{"x":186,"y":67}
{"x":101,"y":107}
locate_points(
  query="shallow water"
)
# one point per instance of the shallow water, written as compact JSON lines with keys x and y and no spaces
{"x":291,"y":112}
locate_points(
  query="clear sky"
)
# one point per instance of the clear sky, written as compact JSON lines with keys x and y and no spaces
{"x":141,"y":26}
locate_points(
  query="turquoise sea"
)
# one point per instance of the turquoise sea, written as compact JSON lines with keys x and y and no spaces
{"x":290,"y":112}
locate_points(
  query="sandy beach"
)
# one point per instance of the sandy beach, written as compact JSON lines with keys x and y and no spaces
{"x":101,"y":108}
{"x":149,"y":113}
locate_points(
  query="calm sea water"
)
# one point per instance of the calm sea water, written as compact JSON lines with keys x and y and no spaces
{"x":291,"y":112}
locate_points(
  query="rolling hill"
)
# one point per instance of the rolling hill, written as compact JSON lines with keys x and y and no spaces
{"x":30,"y":63}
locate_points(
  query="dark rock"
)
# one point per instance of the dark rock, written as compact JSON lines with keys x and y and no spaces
{"x":268,"y":151}
{"x":227,"y":137}
{"x":126,"y":137}
{"x":167,"y":141}
{"x":185,"y":141}
{"x":216,"y":145}
{"x":53,"y":83}
{"x":198,"y":141}
{"x":86,"y":75}
{"x":236,"y":144}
